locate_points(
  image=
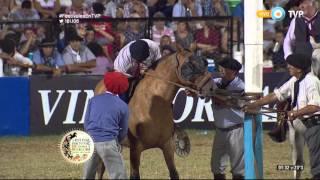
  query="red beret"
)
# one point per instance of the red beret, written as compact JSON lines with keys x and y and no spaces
{"x":116,"y":82}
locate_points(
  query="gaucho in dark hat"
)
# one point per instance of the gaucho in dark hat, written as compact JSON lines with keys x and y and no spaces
{"x":304,"y":117}
{"x":228,"y":140}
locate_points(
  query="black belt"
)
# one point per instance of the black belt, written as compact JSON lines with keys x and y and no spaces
{"x":231,"y":128}
{"x":311,"y":121}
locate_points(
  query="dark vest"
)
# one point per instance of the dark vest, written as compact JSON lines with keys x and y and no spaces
{"x":302,"y":34}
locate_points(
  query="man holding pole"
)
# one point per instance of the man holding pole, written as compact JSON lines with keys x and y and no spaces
{"x":304,"y":89}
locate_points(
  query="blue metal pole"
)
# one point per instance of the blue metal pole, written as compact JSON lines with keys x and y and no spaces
{"x":249,"y":169}
{"x":259,"y":146}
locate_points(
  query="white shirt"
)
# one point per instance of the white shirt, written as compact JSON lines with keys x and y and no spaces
{"x":124,"y":62}
{"x":19,"y":57}
{"x":290,"y":38}
{"x":309,"y":91}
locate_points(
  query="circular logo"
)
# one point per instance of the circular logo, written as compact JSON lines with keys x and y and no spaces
{"x":77,"y":147}
{"x":278,"y":13}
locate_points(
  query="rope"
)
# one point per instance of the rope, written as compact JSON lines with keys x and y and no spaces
{"x":173,"y":83}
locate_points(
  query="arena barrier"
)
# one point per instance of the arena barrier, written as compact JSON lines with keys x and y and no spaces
{"x":55,"y":105}
{"x":14,"y":108}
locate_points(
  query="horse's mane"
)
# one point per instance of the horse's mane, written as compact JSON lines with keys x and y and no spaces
{"x":161,"y":60}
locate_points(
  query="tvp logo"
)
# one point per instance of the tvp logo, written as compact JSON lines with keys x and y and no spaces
{"x":278,"y":13}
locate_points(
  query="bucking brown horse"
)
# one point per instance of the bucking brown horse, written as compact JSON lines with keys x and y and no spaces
{"x":151,"y":118}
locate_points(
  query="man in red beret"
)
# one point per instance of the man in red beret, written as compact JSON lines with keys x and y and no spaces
{"x":106,"y":122}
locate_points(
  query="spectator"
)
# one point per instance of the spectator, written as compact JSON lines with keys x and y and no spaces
{"x":16,"y":60}
{"x":215,"y":8}
{"x":278,"y":61}
{"x":111,"y":8}
{"x":238,"y":11}
{"x":48,"y":59}
{"x":134,"y":31}
{"x":159,"y":29}
{"x":5,"y":7}
{"x":47,"y":8}
{"x":78,"y":7}
{"x":65,"y":4}
{"x":165,"y":41}
{"x":30,"y":43}
{"x":297,"y":39}
{"x":103,"y":63}
{"x":269,"y":28}
{"x":208,"y":40}
{"x":90,"y":35}
{"x":164,"y":6}
{"x":104,"y":34}
{"x":78,"y":57}
{"x":135,"y":6}
{"x":184,"y":37}
{"x":26,"y":12}
{"x":187,"y":8}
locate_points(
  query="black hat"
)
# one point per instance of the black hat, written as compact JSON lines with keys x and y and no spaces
{"x":47,"y":42}
{"x":230,"y":63}
{"x":74,"y":37}
{"x":139,"y":50}
{"x":8,"y":45}
{"x":300,"y":61}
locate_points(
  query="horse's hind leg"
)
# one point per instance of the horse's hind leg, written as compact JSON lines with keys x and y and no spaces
{"x":168,"y":153}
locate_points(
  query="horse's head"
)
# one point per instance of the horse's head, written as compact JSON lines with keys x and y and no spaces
{"x":192,"y":71}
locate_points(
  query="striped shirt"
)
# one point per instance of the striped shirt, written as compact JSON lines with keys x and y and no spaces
{"x":228,"y":117}
{"x":309,"y":91}
{"x":125,"y":64}
{"x":157,"y":34}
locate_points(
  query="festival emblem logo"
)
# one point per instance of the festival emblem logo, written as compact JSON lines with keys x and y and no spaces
{"x":77,"y":147}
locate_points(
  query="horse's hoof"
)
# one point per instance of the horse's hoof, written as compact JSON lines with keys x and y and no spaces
{"x":134,"y":177}
{"x":182,"y":143}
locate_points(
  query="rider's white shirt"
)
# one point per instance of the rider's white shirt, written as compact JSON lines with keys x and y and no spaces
{"x":124,"y":63}
{"x":309,"y":91}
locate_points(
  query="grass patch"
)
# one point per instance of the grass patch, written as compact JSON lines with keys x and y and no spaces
{"x":39,"y":157}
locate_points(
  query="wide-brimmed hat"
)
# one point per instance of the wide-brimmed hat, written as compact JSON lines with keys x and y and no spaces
{"x":47,"y":42}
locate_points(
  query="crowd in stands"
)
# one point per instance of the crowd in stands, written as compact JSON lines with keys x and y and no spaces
{"x":91,"y":47}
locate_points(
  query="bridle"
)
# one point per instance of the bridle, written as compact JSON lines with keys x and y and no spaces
{"x":188,"y":85}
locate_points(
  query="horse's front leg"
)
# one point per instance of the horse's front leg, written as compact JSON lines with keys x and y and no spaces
{"x":168,"y":153}
{"x":100,"y":169}
{"x":135,"y":154}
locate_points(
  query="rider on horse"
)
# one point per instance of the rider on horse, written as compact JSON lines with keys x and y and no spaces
{"x":134,"y":59}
